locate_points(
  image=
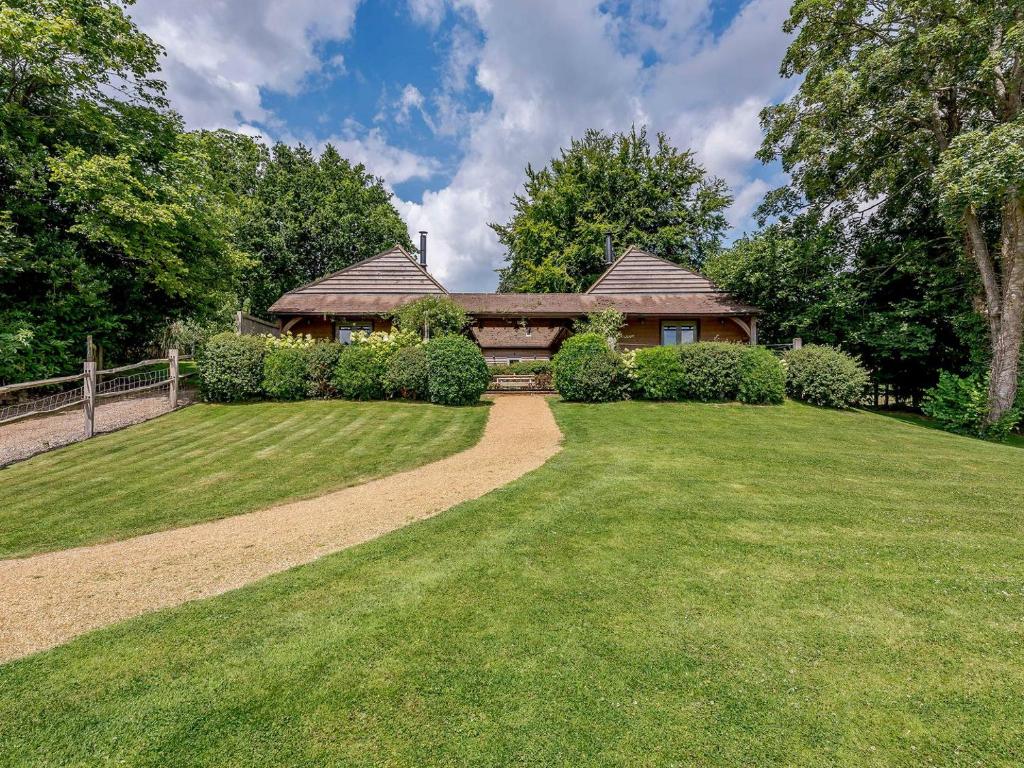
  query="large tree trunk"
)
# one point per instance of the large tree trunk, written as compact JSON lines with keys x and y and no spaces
{"x":1007,"y":333}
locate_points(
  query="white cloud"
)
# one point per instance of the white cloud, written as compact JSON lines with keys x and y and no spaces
{"x":551,"y":69}
{"x":220,"y":54}
{"x":555,"y":69}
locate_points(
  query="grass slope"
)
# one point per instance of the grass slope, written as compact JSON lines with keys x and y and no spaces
{"x":682,"y":585}
{"x":211,"y":461}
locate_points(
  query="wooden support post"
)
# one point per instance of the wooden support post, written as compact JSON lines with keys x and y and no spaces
{"x":798,"y":343}
{"x":172,"y":393}
{"x":89,"y":396}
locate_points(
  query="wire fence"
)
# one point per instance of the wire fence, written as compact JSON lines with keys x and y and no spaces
{"x":46,"y":404}
{"x":86,"y":388}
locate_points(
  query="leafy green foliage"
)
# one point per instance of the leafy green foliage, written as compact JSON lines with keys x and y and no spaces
{"x":522,"y":367}
{"x":231,"y":367}
{"x":657,"y":373}
{"x":586,"y":370}
{"x":825,"y":376}
{"x":359,"y":373}
{"x":407,"y":374}
{"x":960,"y":404}
{"x":712,"y":370}
{"x":659,"y":199}
{"x":923,"y":101}
{"x":762,"y":378}
{"x":608,"y":324}
{"x":311,"y":216}
{"x":432,"y":316}
{"x":113,"y":221}
{"x":321,"y":362}
{"x":286,"y":372}
{"x":457,"y":371}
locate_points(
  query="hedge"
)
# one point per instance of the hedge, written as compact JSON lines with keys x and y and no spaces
{"x":658,"y":374}
{"x":712,"y":370}
{"x":825,"y":376}
{"x":231,"y":367}
{"x":321,"y":362}
{"x":457,"y":373}
{"x":286,"y":372}
{"x":762,"y":377}
{"x":407,"y":374}
{"x":359,"y":373}
{"x":587,"y":370}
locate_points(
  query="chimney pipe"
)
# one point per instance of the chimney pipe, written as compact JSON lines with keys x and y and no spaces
{"x":423,"y":248}
{"x":609,"y":253}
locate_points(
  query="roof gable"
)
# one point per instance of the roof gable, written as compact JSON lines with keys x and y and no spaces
{"x":638,"y":271}
{"x":392,"y":272}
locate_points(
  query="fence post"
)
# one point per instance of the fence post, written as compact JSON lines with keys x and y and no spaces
{"x":798,"y":343}
{"x":89,"y":397}
{"x":172,"y":355}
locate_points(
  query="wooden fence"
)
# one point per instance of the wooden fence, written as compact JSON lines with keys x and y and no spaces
{"x":247,"y":325}
{"x":91,"y":386}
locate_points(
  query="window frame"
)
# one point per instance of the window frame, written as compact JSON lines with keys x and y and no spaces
{"x":679,"y":326}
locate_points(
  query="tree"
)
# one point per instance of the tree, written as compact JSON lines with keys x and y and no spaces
{"x":110,"y":223}
{"x":660,"y":200}
{"x":309,"y":217}
{"x":896,"y":91}
{"x":432,"y":316}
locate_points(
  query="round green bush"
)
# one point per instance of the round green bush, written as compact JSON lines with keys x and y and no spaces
{"x":407,"y":374}
{"x":285,"y":373}
{"x":711,"y":370}
{"x":658,"y":373}
{"x":587,"y":371}
{"x":231,"y":367}
{"x":321,"y":362}
{"x":825,"y":376}
{"x":359,"y":374}
{"x":457,"y":373}
{"x":762,"y":377}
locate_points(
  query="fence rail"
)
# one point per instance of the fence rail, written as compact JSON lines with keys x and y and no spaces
{"x":94,"y":388}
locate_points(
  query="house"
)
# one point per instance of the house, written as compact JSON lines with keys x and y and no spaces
{"x":663,"y":304}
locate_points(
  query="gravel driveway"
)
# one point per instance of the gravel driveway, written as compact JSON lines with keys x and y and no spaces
{"x":48,"y":599}
{"x":26,"y":438}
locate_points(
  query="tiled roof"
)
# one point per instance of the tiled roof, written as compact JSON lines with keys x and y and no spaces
{"x":388,"y":273}
{"x":516,"y":336}
{"x":518,"y":304}
{"x":640,"y":272}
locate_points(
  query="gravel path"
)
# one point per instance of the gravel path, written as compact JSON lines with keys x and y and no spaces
{"x":48,"y":599}
{"x":23,"y":439}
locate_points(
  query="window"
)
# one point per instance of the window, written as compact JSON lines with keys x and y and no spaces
{"x":344,"y":332}
{"x":675,"y":332}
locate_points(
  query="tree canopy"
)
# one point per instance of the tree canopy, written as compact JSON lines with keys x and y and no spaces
{"x":896,"y":92}
{"x":111,"y":217}
{"x":659,"y":199}
{"x":310,"y":216}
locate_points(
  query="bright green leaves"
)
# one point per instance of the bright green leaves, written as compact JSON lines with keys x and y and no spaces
{"x":656,"y":198}
{"x":980,"y":169}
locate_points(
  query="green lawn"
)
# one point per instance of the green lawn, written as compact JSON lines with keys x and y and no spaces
{"x":682,"y":585}
{"x":211,"y":461}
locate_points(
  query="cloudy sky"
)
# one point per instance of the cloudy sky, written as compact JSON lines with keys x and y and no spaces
{"x":448,"y":100}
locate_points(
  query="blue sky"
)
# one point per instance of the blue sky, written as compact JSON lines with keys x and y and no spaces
{"x":448,"y":100}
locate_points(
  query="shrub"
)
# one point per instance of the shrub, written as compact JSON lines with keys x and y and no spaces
{"x":608,"y":324}
{"x":825,"y":376}
{"x":407,"y":374}
{"x":321,"y":362}
{"x":286,"y":372}
{"x":522,"y":367}
{"x":231,"y":367}
{"x":712,"y":370}
{"x":762,"y":377}
{"x":960,"y":404}
{"x":439,"y":315}
{"x":457,"y":373}
{"x":657,"y":373}
{"x":586,"y":370}
{"x":359,"y":373}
